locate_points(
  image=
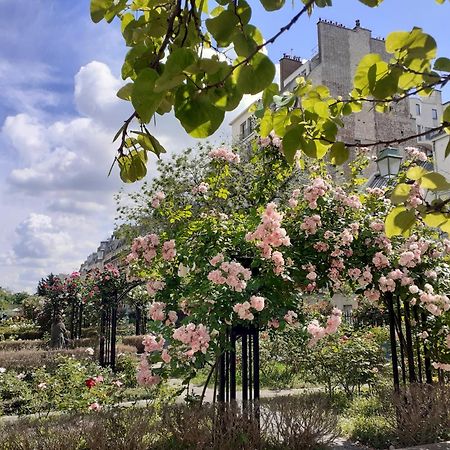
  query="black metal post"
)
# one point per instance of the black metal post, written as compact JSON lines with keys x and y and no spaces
{"x":256,"y":363}
{"x":428,"y":372}
{"x":418,"y":351}
{"x":72,"y":321}
{"x":101,"y":354}
{"x":233,"y":364}
{"x":221,"y":391}
{"x":409,"y":344}
{"x":244,"y":368}
{"x":390,"y":302}
{"x":401,"y":339}
{"x":113,"y":336}
{"x":80,"y":320}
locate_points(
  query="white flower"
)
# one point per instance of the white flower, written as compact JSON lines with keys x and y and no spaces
{"x":2,"y":370}
{"x":90,"y":351}
{"x":182,"y":270}
{"x":413,"y":289}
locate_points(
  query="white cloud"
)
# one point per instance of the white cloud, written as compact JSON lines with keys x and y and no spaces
{"x":95,"y":95}
{"x":40,"y":239}
{"x":58,"y":198}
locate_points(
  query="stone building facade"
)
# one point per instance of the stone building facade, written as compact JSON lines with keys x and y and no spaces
{"x":339,"y":51}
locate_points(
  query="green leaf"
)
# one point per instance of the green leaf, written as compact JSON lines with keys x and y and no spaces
{"x":125,"y":92}
{"x":446,"y":118}
{"x":435,"y":219}
{"x":434,"y":181}
{"x":314,"y":149}
{"x":242,"y":9}
{"x":246,"y":41}
{"x":409,"y":45}
{"x":447,"y":149}
{"x":272,"y":5}
{"x":400,"y":193}
{"x":321,"y":109}
{"x":222,"y":27}
{"x":176,"y":63}
{"x":399,"y":221}
{"x":442,"y":64}
{"x":291,"y":143}
{"x":361,"y":74}
{"x":371,"y":3}
{"x":266,"y":124}
{"x":339,"y":153}
{"x":196,"y":113}
{"x":268,"y":94}
{"x":132,"y":167}
{"x":416,"y":172}
{"x":254,"y":77}
{"x":99,"y":8}
{"x":144,"y":98}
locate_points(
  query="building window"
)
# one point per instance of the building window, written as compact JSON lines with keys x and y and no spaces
{"x":246,"y":128}
{"x":434,"y":114}
{"x":419,"y":130}
{"x":417,"y":109}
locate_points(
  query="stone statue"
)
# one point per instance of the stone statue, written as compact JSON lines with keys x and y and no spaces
{"x":58,"y":333}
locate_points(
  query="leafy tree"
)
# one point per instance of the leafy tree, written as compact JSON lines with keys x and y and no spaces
{"x":198,"y":60}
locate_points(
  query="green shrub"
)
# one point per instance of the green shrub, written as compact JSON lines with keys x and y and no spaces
{"x":126,"y":366}
{"x":374,"y":431}
{"x":346,"y":361}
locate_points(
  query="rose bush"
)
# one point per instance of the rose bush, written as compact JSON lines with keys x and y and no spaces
{"x":224,"y":255}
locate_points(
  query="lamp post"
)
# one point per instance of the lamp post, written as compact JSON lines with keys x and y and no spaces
{"x":388,"y":162}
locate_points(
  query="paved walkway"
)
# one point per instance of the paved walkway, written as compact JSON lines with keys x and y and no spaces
{"x":441,"y":446}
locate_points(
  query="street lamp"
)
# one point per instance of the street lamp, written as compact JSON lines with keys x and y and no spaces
{"x":388,"y":162}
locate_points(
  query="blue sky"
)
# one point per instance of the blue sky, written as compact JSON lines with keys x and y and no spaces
{"x":58,"y":111}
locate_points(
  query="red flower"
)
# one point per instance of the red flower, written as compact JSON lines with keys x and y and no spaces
{"x":90,"y":382}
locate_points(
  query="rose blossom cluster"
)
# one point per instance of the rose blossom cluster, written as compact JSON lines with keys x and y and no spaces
{"x":271,"y":139}
{"x":233,"y":274}
{"x":144,"y":374}
{"x":151,"y":344}
{"x":153,"y":286}
{"x":224,"y":154}
{"x":269,"y":235}
{"x":196,"y":337}
{"x":380,"y":260}
{"x":416,"y":154}
{"x":147,"y":247}
{"x":157,"y":312}
{"x":144,"y":246}
{"x":318,"y":188}
{"x":202,"y":188}
{"x":157,"y":199}
{"x":434,"y":303}
{"x":290,"y":317}
{"x":168,"y":250}
{"x":310,"y":224}
{"x":376,"y":192}
{"x":352,"y":201}
{"x":413,"y":252}
{"x":318,"y":332}
{"x":415,"y":197}
{"x":441,"y":366}
{"x":293,"y":202}
{"x":243,"y":309}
